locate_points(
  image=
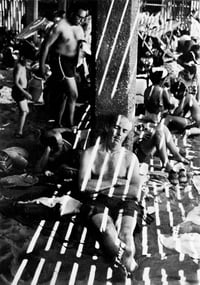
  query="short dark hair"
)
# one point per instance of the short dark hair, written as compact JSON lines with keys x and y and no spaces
{"x":156,"y":77}
{"x":191,"y":68}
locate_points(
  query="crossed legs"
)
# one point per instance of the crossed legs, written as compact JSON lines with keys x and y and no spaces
{"x":110,"y":239}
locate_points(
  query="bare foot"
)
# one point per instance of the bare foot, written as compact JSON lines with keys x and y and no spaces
{"x":129,"y":262}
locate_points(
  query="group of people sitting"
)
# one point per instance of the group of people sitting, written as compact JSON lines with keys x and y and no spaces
{"x":172,"y":103}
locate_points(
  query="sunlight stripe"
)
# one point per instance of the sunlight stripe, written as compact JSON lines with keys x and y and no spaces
{"x":90,"y":164}
{"x":55,"y":273}
{"x":145,"y":276}
{"x":38,"y":271}
{"x":19,"y":272}
{"x":124,"y":56}
{"x":104,"y":29}
{"x":164,"y":277}
{"x":73,"y":275}
{"x":35,"y":236}
{"x":62,"y":251}
{"x":86,"y":139}
{"x":91,"y":275}
{"x":81,"y":243}
{"x":51,"y":237}
{"x":113,"y":48}
{"x":109,"y":276}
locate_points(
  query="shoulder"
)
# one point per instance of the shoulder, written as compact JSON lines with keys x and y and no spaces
{"x":78,"y":31}
{"x":88,"y":152}
{"x":61,"y":26}
{"x":131,"y":157}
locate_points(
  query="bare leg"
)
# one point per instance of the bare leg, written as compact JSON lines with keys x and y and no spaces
{"x":72,"y":97}
{"x":22,"y":119}
{"x":23,"y":112}
{"x":126,"y":235}
{"x":172,"y":146}
{"x":178,"y":121}
{"x":61,"y":111}
{"x":157,"y":142}
{"x":108,"y":236}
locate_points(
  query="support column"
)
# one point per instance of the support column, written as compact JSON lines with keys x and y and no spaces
{"x":116,"y":57}
{"x":63,"y":5}
{"x":32,"y":11}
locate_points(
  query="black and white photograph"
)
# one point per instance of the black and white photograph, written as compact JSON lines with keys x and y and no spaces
{"x":100,"y":142}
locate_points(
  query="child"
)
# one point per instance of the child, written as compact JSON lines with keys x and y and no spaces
{"x":20,"y":94}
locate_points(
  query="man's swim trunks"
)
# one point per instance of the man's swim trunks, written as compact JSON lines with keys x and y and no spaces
{"x":63,"y":66}
{"x":115,"y":205}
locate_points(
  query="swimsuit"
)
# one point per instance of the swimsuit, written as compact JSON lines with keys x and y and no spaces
{"x":114,"y":204}
{"x":17,"y":94}
{"x":63,"y":66}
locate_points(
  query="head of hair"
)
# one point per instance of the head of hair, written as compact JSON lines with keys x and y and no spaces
{"x":52,"y":139}
{"x":157,"y":75}
{"x":178,"y":89}
{"x":191,"y":68}
{"x":195,"y":48}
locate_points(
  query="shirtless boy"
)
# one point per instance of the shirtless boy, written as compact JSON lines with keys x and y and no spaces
{"x":65,"y":42}
{"x":20,"y":94}
{"x":112,"y":182}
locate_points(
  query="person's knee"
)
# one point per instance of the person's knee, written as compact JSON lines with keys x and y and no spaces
{"x":73,"y":96}
{"x":24,"y":113}
{"x":158,"y":135}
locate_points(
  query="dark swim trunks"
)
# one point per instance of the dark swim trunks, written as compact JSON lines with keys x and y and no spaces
{"x":17,"y":94}
{"x":114,"y":204}
{"x":63,"y":66}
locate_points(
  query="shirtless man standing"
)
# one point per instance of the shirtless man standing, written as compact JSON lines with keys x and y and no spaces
{"x":65,"y":41}
{"x":20,"y":93}
{"x":111,"y":182}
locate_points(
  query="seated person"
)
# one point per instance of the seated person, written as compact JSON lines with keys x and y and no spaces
{"x":192,"y":55}
{"x":109,"y":181}
{"x":157,"y":137}
{"x":187,"y":115}
{"x":190,"y":79}
{"x":58,"y":155}
{"x":158,"y":91}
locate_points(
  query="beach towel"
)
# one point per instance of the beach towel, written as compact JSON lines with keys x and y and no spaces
{"x":187,"y":243}
{"x":68,"y":205}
